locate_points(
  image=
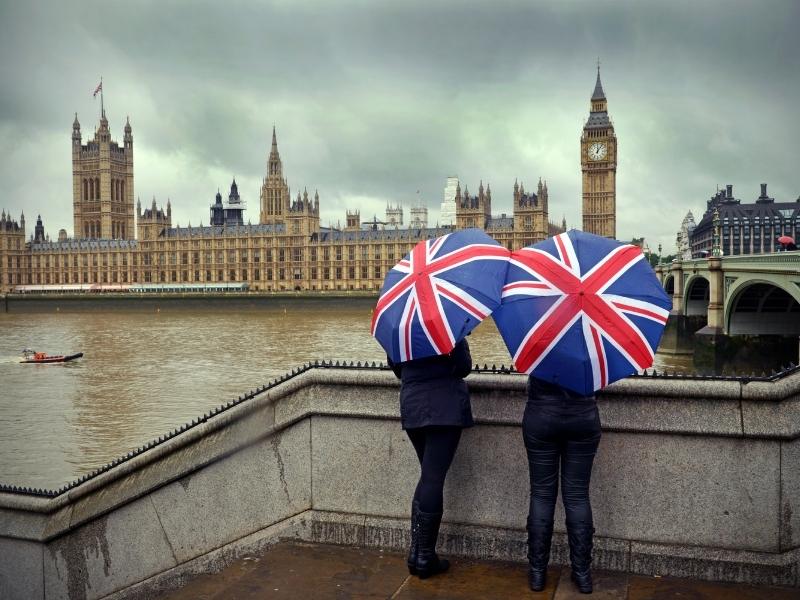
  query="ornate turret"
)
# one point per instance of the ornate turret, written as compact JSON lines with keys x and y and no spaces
{"x":128,"y":137}
{"x":598,"y":93}
{"x":38,"y":232}
{"x":275,"y":199}
{"x":76,"y":134}
{"x":473,"y":211}
{"x":354,"y":220}
{"x":394,"y":214}
{"x":153,"y":221}
{"x":530,"y":214}
{"x":274,"y":165}
{"x":230,"y":213}
{"x":233,"y":196}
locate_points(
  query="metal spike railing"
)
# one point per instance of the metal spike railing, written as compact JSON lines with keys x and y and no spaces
{"x":340,"y":364}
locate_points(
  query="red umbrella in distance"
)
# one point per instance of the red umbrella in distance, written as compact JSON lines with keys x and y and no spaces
{"x":785,"y":239}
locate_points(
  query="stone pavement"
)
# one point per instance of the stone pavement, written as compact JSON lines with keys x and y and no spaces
{"x":319,"y":572}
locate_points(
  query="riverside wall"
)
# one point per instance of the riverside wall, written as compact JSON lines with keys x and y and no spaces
{"x":694,"y":477}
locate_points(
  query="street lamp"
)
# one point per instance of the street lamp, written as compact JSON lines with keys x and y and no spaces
{"x":715,"y":247}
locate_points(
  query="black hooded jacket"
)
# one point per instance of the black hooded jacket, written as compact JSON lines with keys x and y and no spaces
{"x":433,"y":390}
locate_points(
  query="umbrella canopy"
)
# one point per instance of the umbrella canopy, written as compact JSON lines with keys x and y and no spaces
{"x":581,"y":311}
{"x":438,"y":293}
{"x":785,"y":239}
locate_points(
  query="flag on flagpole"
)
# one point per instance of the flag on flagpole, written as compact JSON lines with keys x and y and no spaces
{"x":98,"y":89}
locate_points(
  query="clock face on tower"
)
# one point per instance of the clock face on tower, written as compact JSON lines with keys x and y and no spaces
{"x":597,"y":151}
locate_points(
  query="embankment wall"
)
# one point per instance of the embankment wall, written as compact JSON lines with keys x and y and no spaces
{"x":694,"y":477}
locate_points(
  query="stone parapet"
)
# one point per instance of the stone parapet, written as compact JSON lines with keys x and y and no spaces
{"x":694,"y":477}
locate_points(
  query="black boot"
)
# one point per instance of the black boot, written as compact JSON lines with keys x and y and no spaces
{"x":539,"y":536}
{"x":580,"y":555}
{"x":428,"y":564}
{"x":412,"y":551}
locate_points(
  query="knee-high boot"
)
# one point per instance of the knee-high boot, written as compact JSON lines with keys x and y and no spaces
{"x":412,"y":551}
{"x":580,"y":554}
{"x":540,"y":534}
{"x":428,"y":563}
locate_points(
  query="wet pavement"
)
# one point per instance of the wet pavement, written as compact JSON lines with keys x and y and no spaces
{"x":321,"y":572}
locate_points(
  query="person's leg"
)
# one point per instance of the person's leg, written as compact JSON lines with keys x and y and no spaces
{"x":417,"y":437}
{"x":543,"y":459}
{"x":576,"y":473}
{"x":440,"y":448}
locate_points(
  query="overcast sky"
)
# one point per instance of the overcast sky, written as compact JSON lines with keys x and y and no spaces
{"x":376,"y":100}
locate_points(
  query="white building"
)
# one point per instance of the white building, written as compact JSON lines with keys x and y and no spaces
{"x":448,"y":207}
{"x":419,"y":216}
{"x":394,"y":215}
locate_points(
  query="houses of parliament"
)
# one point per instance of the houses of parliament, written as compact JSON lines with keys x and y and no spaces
{"x":117,"y":244}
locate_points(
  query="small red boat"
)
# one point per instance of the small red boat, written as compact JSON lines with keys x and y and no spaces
{"x":29,"y":356}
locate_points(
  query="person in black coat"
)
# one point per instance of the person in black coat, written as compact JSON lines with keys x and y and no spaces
{"x":560,"y":426}
{"x":434,"y":408}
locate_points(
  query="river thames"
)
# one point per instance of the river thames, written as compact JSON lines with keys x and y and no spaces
{"x":150,"y":366}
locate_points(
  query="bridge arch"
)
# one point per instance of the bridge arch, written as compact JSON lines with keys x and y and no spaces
{"x":696,"y":296}
{"x":760,"y":306}
{"x":669,"y":284}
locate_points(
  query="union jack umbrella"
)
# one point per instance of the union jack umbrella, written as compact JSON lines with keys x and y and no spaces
{"x":581,"y":311}
{"x":438,"y":293}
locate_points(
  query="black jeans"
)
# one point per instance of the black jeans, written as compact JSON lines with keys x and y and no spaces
{"x":435,"y":447}
{"x":565,"y":430}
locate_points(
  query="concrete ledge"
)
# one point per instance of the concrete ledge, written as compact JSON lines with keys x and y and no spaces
{"x":692,"y":478}
{"x":715,"y":564}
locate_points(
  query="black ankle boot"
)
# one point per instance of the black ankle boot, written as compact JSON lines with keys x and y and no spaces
{"x":580,"y":554}
{"x":539,"y":536}
{"x":412,"y":550}
{"x":427,"y":563}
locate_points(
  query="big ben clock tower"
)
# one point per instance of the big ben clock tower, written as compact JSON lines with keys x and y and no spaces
{"x":599,"y":167}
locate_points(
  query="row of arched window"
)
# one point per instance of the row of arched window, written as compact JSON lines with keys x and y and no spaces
{"x":92,"y":230}
{"x":91,"y":189}
{"x":117,"y":190}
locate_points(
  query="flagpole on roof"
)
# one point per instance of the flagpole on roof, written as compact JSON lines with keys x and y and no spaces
{"x":102,"y":108}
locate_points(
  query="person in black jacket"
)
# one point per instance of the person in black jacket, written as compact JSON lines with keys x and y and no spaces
{"x":434,"y":408}
{"x":560,"y":426}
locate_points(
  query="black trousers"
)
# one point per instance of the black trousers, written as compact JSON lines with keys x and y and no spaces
{"x":561,"y":436}
{"x":435,"y":447}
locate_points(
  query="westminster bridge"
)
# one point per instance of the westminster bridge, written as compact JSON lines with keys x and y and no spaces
{"x":734,"y":309}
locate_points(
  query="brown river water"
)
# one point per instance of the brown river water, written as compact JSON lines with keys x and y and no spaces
{"x":150,"y":366}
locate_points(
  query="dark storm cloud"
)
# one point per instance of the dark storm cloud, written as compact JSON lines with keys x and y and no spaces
{"x":374,"y":101}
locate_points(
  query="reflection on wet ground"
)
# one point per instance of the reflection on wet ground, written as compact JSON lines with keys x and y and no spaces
{"x":290,"y":570}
